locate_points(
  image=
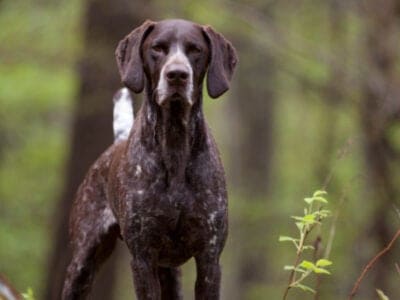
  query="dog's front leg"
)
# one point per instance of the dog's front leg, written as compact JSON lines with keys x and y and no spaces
{"x":138,"y":234}
{"x":145,"y":277}
{"x":208,"y":277}
{"x":170,"y":283}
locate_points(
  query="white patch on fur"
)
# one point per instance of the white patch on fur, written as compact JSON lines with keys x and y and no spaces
{"x":211,"y":218}
{"x":213,"y":240}
{"x":211,"y":221}
{"x":179,"y":59}
{"x":138,"y":170}
{"x":108,"y":218}
{"x":140,"y":192}
{"x":123,"y":115}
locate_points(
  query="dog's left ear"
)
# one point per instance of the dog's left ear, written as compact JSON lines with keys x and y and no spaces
{"x":129,"y":60}
{"x":222,"y":62}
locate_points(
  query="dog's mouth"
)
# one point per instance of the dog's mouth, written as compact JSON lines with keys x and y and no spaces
{"x":174,"y":96}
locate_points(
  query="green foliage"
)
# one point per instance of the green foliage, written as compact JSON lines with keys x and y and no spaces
{"x":313,"y":216}
{"x":40,"y":42}
{"x":28,"y":295}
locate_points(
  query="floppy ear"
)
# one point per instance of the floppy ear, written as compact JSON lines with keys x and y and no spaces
{"x":129,"y":58}
{"x":222,"y":63}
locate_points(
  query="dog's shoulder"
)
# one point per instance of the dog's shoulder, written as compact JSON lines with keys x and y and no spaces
{"x":100,"y":169}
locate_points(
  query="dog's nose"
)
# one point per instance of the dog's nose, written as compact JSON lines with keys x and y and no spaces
{"x":177,"y":75}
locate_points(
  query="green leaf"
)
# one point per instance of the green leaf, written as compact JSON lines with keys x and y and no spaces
{"x":310,"y":218}
{"x":28,"y":295}
{"x":283,"y":238}
{"x":309,"y":200}
{"x":320,"y":199}
{"x":319,"y":193}
{"x":305,"y":288}
{"x":321,"y":271}
{"x":323,"y":263}
{"x":306,"y":220}
{"x":308,"y":265}
{"x":317,"y":196}
{"x":381,"y":295}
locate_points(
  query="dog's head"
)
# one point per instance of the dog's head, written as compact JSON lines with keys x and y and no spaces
{"x":172,"y":58}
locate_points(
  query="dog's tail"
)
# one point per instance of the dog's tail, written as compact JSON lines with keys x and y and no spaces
{"x":123,"y":114}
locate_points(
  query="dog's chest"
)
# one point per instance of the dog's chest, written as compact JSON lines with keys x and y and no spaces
{"x":178,"y":209}
{"x":186,"y":224}
{"x":178,"y":220}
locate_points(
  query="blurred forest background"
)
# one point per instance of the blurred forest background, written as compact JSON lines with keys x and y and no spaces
{"x":315,"y":103}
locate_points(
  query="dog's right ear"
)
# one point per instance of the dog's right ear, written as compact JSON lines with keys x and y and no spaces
{"x":129,"y":60}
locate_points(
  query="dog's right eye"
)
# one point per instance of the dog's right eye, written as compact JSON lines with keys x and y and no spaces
{"x":160,"y":48}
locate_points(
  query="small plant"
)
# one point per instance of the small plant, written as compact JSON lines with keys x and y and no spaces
{"x":313,"y":216}
{"x":28,"y":295}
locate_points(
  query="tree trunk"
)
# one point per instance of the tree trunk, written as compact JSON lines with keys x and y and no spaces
{"x":251,"y":104}
{"x":106,"y":22}
{"x":333,"y":91}
{"x":380,"y":110}
{"x":333,"y":94}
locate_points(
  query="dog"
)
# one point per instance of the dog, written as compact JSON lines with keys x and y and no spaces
{"x":161,"y":186}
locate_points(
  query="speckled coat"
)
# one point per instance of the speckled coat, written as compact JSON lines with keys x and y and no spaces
{"x":163,"y":189}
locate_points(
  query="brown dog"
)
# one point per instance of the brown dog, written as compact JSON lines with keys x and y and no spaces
{"x":160,"y":186}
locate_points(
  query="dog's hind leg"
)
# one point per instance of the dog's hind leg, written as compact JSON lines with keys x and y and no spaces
{"x":85,"y":262}
{"x":94,"y":232}
{"x":170,"y":283}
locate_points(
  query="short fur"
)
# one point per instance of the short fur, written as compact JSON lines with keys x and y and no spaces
{"x":162,"y":190}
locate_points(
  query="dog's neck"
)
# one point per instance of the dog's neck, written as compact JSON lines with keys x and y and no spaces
{"x":175,"y":131}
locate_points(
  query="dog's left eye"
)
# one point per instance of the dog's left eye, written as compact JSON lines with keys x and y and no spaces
{"x":193,"y":48}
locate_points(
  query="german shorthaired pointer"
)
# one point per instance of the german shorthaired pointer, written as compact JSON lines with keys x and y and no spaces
{"x":160,"y":187}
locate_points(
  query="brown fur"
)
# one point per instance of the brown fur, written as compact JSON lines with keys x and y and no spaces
{"x":162,"y":190}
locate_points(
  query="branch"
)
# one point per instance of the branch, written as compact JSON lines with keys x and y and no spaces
{"x":371,"y":264}
{"x":292,"y":277}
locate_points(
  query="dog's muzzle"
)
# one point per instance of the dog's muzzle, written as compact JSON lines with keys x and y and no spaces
{"x":176,"y":80}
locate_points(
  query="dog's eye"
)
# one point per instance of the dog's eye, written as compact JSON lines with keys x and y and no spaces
{"x":159,"y":48}
{"x":193,"y":48}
